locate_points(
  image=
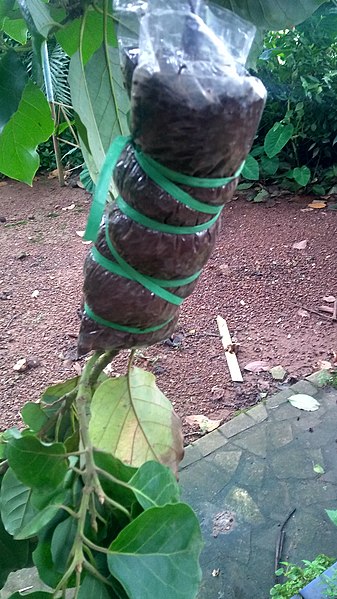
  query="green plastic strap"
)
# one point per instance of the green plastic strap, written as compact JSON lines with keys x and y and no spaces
{"x":150,"y":223}
{"x":102,"y":187}
{"x":142,"y":279}
{"x":153,"y":170}
{"x":120,"y":327}
{"x":148,"y":163}
{"x":116,"y":269}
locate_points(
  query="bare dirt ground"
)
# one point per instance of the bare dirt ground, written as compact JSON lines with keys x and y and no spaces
{"x":255,"y":279}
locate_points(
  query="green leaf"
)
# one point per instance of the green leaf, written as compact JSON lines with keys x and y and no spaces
{"x":332,"y":515}
{"x":6,"y":7}
{"x":29,"y":126}
{"x":302,"y":175}
{"x":62,"y":542}
{"x":47,"y":463}
{"x":16,"y":29}
{"x":159,"y":551}
{"x":41,"y":16}
{"x":41,"y":519}
{"x":99,"y":98}
{"x":273,"y":14}
{"x":55,"y":392}
{"x":33,"y":415}
{"x":270,"y":165}
{"x":95,"y":589}
{"x":13,"y":78}
{"x":42,"y":558}
{"x":251,"y":169}
{"x":261,"y":196}
{"x":69,"y":36}
{"x":276,"y":138}
{"x":132,"y":418}
{"x":318,"y":469}
{"x":120,"y":471}
{"x":14,"y":554}
{"x":155,"y":485}
{"x":16,"y":509}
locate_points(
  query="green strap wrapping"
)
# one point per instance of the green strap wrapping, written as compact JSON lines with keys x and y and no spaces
{"x":121,"y":327}
{"x":116,"y":269}
{"x":166,"y":179}
{"x":150,"y":165}
{"x":155,"y":225}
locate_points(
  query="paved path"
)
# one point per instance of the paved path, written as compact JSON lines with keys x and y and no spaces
{"x":247,"y":477}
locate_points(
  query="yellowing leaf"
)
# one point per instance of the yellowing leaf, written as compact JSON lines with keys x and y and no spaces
{"x":318,"y":469}
{"x":132,"y":418}
{"x":317,"y":204}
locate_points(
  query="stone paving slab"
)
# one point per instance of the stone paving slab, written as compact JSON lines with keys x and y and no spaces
{"x":244,"y":489}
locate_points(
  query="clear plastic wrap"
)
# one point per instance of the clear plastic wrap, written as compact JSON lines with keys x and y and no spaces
{"x":194,"y":110}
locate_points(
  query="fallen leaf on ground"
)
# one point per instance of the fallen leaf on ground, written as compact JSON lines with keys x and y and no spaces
{"x":330,"y":299}
{"x":300,"y":245}
{"x":77,"y":368}
{"x":35,"y":294}
{"x":324,"y":365}
{"x":3,"y":183}
{"x":257,"y":366}
{"x":278,"y":373}
{"x":303,"y":313}
{"x":318,"y":469}
{"x":205,"y":424}
{"x":217,"y":392}
{"x":71,"y":207}
{"x":317,"y":204}
{"x":304,"y":402}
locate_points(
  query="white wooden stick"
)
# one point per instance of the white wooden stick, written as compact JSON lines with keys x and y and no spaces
{"x":231,"y":358}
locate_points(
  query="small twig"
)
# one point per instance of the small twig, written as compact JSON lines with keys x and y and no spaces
{"x":313,"y":311}
{"x":280,"y":542}
{"x":9,"y":322}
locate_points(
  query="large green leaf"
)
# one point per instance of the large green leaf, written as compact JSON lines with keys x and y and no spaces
{"x":113,"y":466}
{"x":157,"y":555}
{"x":13,"y":78}
{"x":41,"y":519}
{"x":132,"y":418}
{"x":29,"y":126}
{"x":100,"y":100}
{"x":62,"y":542}
{"x":273,"y":14}
{"x":36,"y":464}
{"x":41,"y":16}
{"x":55,"y":392}
{"x":16,"y":509}
{"x":154,"y":485}
{"x":13,"y":554}
{"x":251,"y":169}
{"x":69,"y":36}
{"x":16,"y":29}
{"x":95,"y":589}
{"x":276,"y":138}
{"x":33,"y":415}
{"x":42,"y":558}
{"x":302,"y":175}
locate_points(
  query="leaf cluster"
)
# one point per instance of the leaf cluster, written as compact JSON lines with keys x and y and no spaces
{"x":86,"y":499}
{"x":298,"y":577}
{"x":296,"y":143}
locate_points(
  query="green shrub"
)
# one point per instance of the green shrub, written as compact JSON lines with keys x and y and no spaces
{"x":297,"y":577}
{"x":299,"y":68}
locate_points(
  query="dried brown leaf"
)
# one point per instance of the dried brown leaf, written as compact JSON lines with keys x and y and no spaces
{"x":257,"y":366}
{"x":205,"y":424}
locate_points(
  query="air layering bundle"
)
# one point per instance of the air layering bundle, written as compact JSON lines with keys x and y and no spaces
{"x":194,"y":115}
